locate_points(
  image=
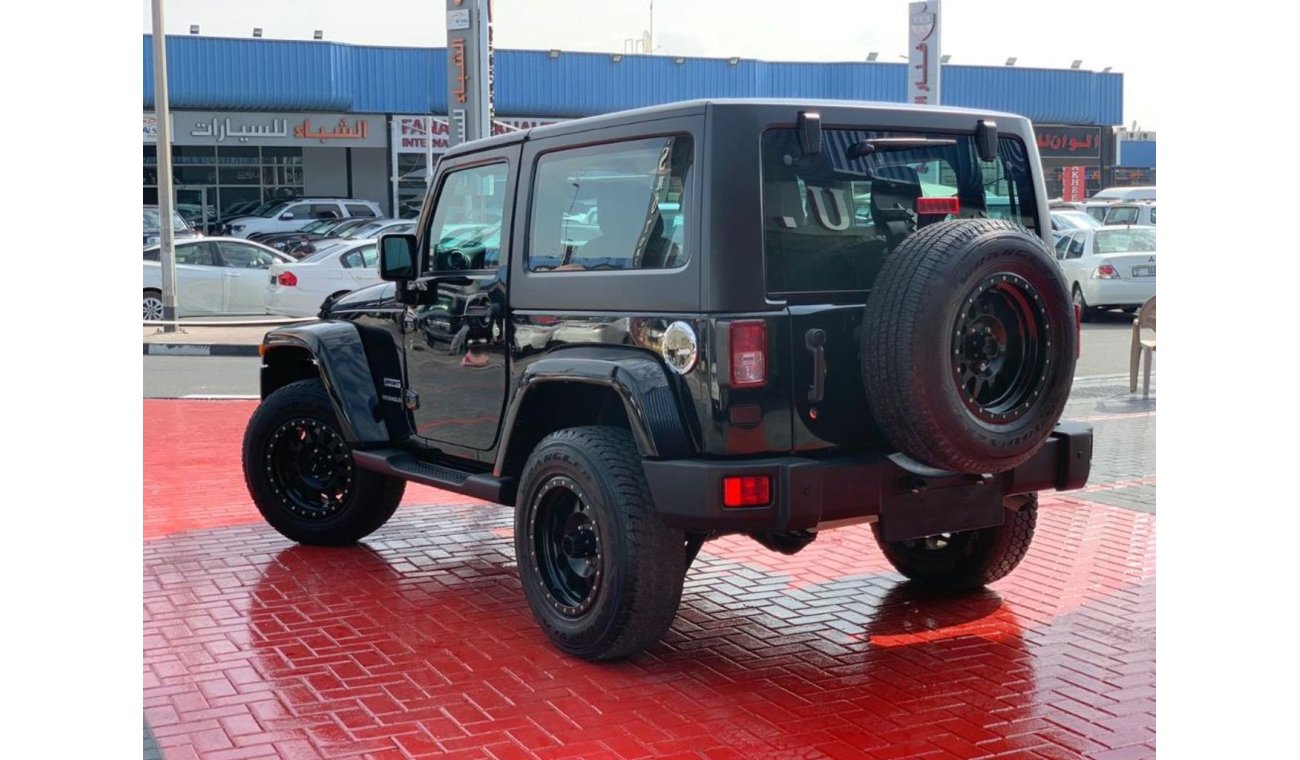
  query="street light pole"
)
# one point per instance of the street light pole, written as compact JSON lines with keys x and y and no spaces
{"x":166,"y":238}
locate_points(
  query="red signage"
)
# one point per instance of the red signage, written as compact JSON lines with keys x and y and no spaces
{"x":1074,"y":184}
{"x":1068,"y":141}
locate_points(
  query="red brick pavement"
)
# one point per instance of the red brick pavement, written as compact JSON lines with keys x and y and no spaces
{"x":419,"y":643}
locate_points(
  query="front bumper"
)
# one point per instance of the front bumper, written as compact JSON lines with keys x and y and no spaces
{"x":906,"y":498}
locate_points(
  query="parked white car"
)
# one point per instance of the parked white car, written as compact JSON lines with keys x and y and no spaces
{"x":213,"y":276}
{"x":1109,"y":267}
{"x":301,"y":288}
{"x":292,"y":215}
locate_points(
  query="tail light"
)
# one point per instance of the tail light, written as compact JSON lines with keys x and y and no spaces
{"x":287,"y":279}
{"x":746,"y":491}
{"x":938,"y":206}
{"x":748,"y":354}
{"x":1105,"y":272}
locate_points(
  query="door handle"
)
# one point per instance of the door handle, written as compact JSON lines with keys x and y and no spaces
{"x":815,"y":341}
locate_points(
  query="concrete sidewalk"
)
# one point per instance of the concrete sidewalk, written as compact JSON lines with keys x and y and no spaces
{"x":206,"y":339}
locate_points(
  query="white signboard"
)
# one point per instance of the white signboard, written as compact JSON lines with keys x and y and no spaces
{"x":150,"y":128}
{"x":411,"y":134}
{"x":923,"y":53}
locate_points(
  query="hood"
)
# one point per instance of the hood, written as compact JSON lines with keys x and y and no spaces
{"x":382,"y":295}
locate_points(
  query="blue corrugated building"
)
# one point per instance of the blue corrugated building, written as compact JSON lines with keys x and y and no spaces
{"x":256,"y":118}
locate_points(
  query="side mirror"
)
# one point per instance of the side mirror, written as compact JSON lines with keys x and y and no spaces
{"x":397,"y":257}
{"x":986,"y":140}
{"x":286,"y":216}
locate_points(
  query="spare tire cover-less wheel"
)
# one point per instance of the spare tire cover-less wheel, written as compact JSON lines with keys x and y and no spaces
{"x":968,"y":345}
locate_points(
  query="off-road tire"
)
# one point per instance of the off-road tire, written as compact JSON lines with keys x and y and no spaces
{"x":642,"y":562}
{"x":969,"y":560}
{"x":371,"y":498}
{"x":909,"y":368}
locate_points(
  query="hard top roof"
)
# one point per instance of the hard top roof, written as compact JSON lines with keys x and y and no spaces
{"x":692,"y":107}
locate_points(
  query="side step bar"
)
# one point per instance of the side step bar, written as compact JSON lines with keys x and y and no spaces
{"x":403,"y":464}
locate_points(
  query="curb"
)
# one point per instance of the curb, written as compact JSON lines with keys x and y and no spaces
{"x":199,"y":349}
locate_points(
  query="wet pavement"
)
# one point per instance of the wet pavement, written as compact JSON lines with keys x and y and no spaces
{"x":418,"y":643}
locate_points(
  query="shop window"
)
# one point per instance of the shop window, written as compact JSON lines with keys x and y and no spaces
{"x":190,"y":155}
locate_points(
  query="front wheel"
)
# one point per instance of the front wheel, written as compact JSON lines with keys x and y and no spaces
{"x":602,"y":573}
{"x":300,"y":473}
{"x":967,"y":560}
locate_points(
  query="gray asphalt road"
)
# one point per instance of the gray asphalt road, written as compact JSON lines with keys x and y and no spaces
{"x":180,"y":376}
{"x":1105,"y":352}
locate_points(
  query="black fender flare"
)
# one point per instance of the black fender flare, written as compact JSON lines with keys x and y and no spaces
{"x":340,"y":357}
{"x":640,"y":380}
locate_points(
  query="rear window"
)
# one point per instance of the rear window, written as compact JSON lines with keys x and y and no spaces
{"x":830,"y":220}
{"x":1126,"y":241}
{"x":1122,"y":215}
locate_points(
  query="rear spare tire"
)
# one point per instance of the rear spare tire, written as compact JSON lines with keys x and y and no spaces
{"x":968,"y":345}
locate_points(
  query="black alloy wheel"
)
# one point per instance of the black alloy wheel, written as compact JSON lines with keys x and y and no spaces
{"x":1001,"y":347}
{"x":310,"y":467}
{"x":565,"y":546}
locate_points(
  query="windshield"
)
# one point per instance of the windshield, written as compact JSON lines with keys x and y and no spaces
{"x":1126,"y":241}
{"x":830,"y":220}
{"x":1077,"y":219}
{"x":152,"y":216}
{"x":317,"y":226}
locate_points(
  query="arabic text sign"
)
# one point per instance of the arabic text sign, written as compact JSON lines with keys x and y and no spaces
{"x":1071,"y":142}
{"x":923,"y":53}
{"x":298,"y":129}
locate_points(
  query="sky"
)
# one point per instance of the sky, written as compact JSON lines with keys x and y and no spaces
{"x":1039,"y":33}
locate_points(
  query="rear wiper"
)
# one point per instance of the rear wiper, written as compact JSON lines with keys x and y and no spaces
{"x":881,"y":144}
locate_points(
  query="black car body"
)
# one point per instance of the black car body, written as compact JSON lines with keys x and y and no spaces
{"x":729,"y":343}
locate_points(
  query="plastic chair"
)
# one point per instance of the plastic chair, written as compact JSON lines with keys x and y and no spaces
{"x":1143,"y":349}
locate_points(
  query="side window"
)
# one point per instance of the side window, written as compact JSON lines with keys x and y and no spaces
{"x":370,"y":257}
{"x":1122,"y":215}
{"x":1153,"y":216}
{"x":351,"y":260}
{"x":243,"y":256}
{"x":324,"y":211}
{"x":614,"y":206}
{"x":1062,"y":245}
{"x":359,"y":209}
{"x":465,"y":233}
{"x":1076,"y":246}
{"x":197,"y":254}
{"x":154,"y":255}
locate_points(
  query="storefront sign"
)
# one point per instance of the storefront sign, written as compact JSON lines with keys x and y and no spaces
{"x":923,"y":53}
{"x":295,"y":129}
{"x":1072,"y":142}
{"x":150,"y":128}
{"x":410,"y":133}
{"x":468,"y":62}
{"x":1074,"y":184}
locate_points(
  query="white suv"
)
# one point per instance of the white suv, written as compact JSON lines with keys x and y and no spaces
{"x":293,"y":214}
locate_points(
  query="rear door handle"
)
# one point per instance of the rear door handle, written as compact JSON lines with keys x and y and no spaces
{"x":815,"y":341}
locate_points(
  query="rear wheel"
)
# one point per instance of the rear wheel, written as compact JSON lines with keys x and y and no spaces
{"x":602,"y":574}
{"x":300,"y":473}
{"x":1085,"y":311}
{"x":966,"y":560}
{"x":153,"y":305}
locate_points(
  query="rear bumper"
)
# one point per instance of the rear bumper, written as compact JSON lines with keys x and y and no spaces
{"x":908,"y":499}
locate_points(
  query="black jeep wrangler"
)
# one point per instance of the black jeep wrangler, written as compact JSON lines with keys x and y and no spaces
{"x":648,"y":329}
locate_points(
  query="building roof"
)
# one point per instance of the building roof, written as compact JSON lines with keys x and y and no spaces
{"x":217,"y":73}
